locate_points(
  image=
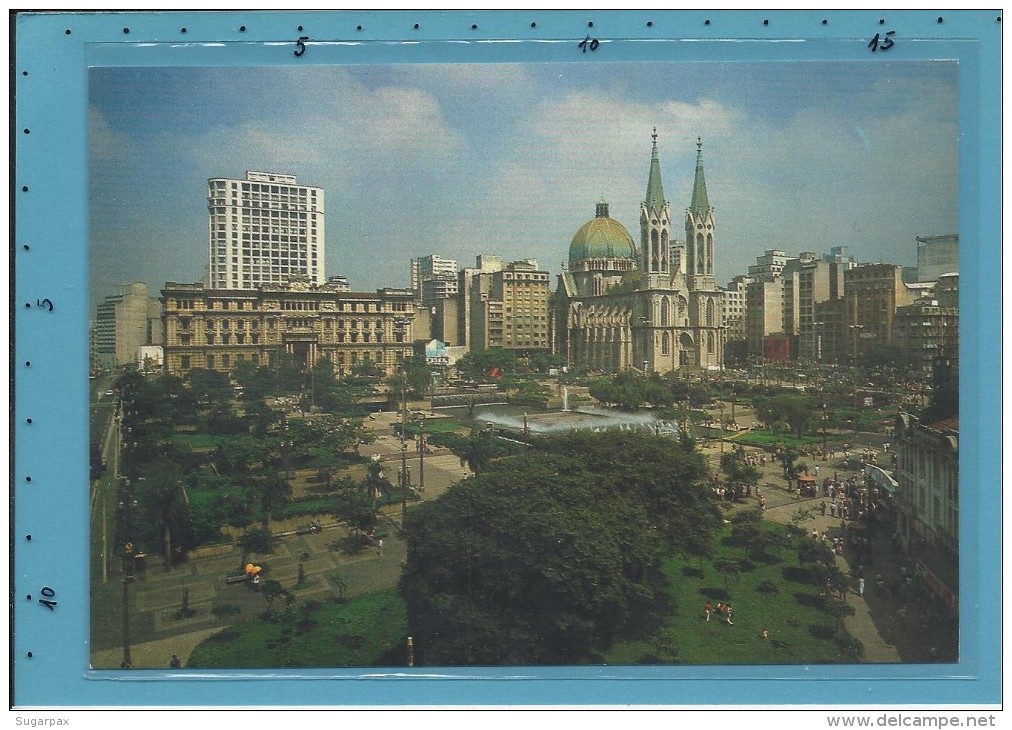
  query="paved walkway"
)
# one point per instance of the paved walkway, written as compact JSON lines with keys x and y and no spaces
{"x":891,"y":628}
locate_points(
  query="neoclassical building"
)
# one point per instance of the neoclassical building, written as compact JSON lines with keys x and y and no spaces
{"x":620,"y":307}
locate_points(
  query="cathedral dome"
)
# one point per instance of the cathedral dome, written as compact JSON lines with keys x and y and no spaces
{"x":601,"y":238}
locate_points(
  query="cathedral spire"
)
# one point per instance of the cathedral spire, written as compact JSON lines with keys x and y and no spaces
{"x":700,"y":202}
{"x":655,"y":191}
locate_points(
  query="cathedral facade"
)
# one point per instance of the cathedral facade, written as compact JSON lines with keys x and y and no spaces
{"x":651,"y":308}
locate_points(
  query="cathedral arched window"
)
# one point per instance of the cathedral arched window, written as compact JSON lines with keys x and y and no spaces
{"x":653,"y":250}
{"x":665,"y":312}
{"x":710,"y":317}
{"x":709,"y":253}
{"x":665,"y":344}
{"x":699,"y":253}
{"x":709,"y":340}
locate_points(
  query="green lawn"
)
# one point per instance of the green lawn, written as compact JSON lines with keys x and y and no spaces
{"x":199,"y":441}
{"x":768,"y":438}
{"x":800,"y":632}
{"x":365,"y":631}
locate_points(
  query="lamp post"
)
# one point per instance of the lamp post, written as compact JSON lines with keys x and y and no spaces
{"x":421,"y":456}
{"x":128,"y":572}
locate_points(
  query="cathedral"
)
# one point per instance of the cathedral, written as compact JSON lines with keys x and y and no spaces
{"x":654,"y":308}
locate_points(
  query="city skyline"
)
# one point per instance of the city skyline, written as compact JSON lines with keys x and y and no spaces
{"x":459,"y":160}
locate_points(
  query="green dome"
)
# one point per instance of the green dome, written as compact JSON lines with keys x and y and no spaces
{"x":601,"y":238}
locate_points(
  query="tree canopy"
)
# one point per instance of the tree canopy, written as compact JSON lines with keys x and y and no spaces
{"x":555,"y":553}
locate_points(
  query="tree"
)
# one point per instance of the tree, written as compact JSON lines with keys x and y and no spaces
{"x":741,"y":476}
{"x":161,"y":499}
{"x":273,"y":491}
{"x":355,"y":507}
{"x":477,"y":451}
{"x":254,"y":542}
{"x":540,"y":561}
{"x":272,"y":590}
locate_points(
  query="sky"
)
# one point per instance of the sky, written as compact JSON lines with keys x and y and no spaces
{"x":509,"y":159}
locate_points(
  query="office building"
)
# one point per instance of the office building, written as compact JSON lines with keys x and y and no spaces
{"x":263,"y":230}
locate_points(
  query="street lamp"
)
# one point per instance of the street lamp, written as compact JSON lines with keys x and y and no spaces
{"x":401,"y":325}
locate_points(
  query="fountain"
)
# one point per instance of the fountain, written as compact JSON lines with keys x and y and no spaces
{"x":580,"y":419}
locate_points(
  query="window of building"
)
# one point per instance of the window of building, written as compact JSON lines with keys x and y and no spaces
{"x":184,"y":362}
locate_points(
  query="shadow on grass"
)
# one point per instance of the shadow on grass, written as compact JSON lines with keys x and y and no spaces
{"x":798,"y":575}
{"x":716,"y":593}
{"x":766,"y":558}
{"x":821,"y":632}
{"x":693,"y":573}
{"x":807,"y":599}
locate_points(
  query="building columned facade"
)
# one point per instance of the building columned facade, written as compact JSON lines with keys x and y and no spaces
{"x":296,"y":322}
{"x":618,"y":307}
{"x":262,"y":230}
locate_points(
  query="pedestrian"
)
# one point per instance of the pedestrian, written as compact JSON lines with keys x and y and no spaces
{"x":380,"y":544}
{"x":860,"y":586}
{"x":175,"y":662}
{"x":765,"y":635}
{"x":822,"y":508}
{"x":708,"y":609}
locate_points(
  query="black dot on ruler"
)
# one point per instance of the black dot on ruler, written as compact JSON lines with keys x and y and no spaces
{"x":24,"y":188}
{"x":28,"y":363}
{"x":26,"y":248}
{"x":590,"y":24}
{"x":25,"y":73}
{"x":766,"y":22}
{"x":28,"y":538}
{"x":300,"y":28}
{"x":28,"y":131}
{"x":28,"y":305}
{"x":28,"y":421}
{"x":881,"y":21}
{"x":67,"y":31}
{"x":416,"y":26}
{"x":28,"y":479}
{"x":242,"y":28}
{"x":28,"y":597}
{"x":825,"y":22}
{"x":126,"y":30}
{"x":650,"y":24}
{"x":358,"y":27}
{"x":997,"y":19}
{"x":474,"y":26}
{"x":182,"y":30}
{"x":940,"y":19}
{"x":706,"y":22}
{"x":29,"y":655}
{"x":535,"y":25}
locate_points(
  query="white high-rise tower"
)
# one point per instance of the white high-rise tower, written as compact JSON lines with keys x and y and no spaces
{"x":263,"y":230}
